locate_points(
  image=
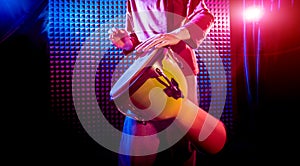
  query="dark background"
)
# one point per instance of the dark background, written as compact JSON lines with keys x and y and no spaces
{"x":266,"y":129}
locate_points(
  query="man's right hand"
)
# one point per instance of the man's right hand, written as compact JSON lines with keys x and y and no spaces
{"x":120,"y":38}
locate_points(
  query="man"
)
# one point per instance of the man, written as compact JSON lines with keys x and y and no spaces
{"x":180,"y":25}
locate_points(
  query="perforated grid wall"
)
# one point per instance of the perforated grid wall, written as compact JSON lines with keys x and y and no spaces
{"x":80,"y":49}
{"x":214,"y":61}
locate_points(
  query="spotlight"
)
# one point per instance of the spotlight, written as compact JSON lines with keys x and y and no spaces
{"x":253,"y":14}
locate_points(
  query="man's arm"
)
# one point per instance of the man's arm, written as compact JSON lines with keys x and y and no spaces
{"x":125,"y":39}
{"x":200,"y":21}
{"x":130,"y":29}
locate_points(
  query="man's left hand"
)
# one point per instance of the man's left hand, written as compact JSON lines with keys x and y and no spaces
{"x":157,"y":41}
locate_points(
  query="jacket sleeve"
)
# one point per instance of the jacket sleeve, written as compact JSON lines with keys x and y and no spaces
{"x":200,"y":21}
{"x":129,"y":28}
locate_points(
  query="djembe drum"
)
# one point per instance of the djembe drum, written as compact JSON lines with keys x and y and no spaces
{"x":136,"y":92}
{"x":155,"y":88}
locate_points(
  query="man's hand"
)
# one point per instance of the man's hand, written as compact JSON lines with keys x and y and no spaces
{"x":157,"y":41}
{"x":120,"y":38}
{"x":162,"y":40}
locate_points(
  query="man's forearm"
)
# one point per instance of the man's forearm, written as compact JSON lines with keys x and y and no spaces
{"x":181,"y":33}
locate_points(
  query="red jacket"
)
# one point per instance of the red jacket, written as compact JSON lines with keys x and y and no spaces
{"x":198,"y":22}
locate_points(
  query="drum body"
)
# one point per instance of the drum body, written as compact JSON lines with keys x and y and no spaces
{"x":152,"y":88}
{"x":155,"y":88}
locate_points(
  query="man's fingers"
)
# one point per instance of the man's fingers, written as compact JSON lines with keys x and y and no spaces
{"x":143,"y":44}
{"x":111,"y":30}
{"x":116,"y":34}
{"x":114,"y":30}
{"x":149,"y":43}
{"x":157,"y":41}
{"x":162,"y":44}
{"x":153,"y":43}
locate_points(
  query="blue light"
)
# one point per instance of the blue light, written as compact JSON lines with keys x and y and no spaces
{"x":14,"y":12}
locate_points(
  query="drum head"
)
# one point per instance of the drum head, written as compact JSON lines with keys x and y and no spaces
{"x":135,"y":71}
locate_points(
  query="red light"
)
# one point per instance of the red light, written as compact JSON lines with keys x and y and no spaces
{"x":253,"y":14}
